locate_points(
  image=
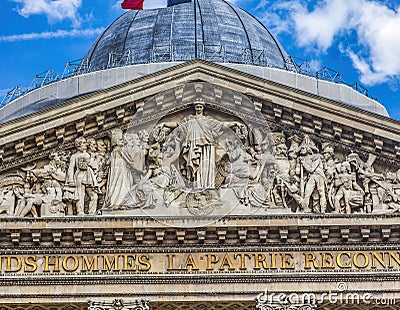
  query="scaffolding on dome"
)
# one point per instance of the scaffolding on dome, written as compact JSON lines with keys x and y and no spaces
{"x":76,"y":67}
{"x":255,"y":57}
{"x":162,"y":53}
{"x":299,"y":65}
{"x":12,"y":94}
{"x":44,"y":78}
{"x":120,"y":59}
{"x":361,"y":89}
{"x":329,"y":75}
{"x":214,"y":53}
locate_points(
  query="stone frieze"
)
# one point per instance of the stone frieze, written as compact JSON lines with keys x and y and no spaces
{"x":200,"y":158}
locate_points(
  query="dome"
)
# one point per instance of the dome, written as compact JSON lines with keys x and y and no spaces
{"x":213,"y":30}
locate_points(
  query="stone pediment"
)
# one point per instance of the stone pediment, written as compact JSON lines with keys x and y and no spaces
{"x":220,"y":143}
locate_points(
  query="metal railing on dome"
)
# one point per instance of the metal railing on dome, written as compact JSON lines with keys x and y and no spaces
{"x":121,"y":59}
{"x":12,"y":94}
{"x":160,"y":54}
{"x":76,"y":67}
{"x":44,"y":78}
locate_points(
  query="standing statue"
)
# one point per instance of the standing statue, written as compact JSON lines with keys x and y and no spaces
{"x":127,"y":171}
{"x":286,"y":190}
{"x":366,"y":175}
{"x":313,"y":176}
{"x":82,"y":179}
{"x":119,"y":177}
{"x":134,"y":153}
{"x":103,"y":159}
{"x":349,"y":195}
{"x":198,"y":144}
{"x":265,"y":169}
{"x":330,"y":164}
{"x":198,"y":149}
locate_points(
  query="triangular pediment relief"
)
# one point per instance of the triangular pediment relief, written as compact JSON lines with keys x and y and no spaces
{"x":143,"y":149}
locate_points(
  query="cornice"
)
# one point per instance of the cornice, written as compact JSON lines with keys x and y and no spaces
{"x":370,"y":231}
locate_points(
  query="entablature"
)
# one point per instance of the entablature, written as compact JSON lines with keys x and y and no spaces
{"x":263,"y":231}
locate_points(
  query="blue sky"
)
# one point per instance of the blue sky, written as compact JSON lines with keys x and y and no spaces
{"x":358,"y":38}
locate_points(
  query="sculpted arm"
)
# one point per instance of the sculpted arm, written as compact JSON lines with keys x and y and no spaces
{"x":171,"y":125}
{"x":175,"y":156}
{"x":307,"y":164}
{"x":233,"y":124}
{"x":71,"y":169}
{"x":355,"y":184}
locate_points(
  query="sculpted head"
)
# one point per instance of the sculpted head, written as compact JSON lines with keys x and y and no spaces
{"x":345,"y":167}
{"x":92,"y":145}
{"x":132,"y":139}
{"x":144,"y":135}
{"x":354,"y":160}
{"x":101,"y":145}
{"x":117,"y":137}
{"x":281,"y":150}
{"x":199,"y":106}
{"x":81,"y":144}
{"x":327,"y":150}
{"x":307,"y":147}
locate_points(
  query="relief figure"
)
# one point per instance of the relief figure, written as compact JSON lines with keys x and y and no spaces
{"x":312,"y":177}
{"x":82,"y":180}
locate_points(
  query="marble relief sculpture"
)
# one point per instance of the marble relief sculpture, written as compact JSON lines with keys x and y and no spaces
{"x":349,"y":195}
{"x":199,"y":164}
{"x":197,"y":135}
{"x":11,"y":193}
{"x":119,"y":176}
{"x":82,"y":180}
{"x":286,"y":189}
{"x":312,"y":176}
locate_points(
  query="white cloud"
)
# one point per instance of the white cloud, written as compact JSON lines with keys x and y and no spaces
{"x":51,"y":35}
{"x":278,"y":15}
{"x":368,"y":31}
{"x":322,"y":24}
{"x":55,"y":10}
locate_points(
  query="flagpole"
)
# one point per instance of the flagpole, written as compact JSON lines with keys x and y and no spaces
{"x":195,"y":29}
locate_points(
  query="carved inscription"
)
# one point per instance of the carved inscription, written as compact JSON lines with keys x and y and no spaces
{"x":208,"y":262}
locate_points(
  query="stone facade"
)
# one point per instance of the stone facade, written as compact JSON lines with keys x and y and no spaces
{"x":196,"y":186}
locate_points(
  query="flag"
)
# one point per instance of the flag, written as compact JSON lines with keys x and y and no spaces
{"x":150,"y":4}
{"x":132,"y":4}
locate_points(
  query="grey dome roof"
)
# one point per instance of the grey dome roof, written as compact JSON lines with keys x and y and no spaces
{"x":213,"y":30}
